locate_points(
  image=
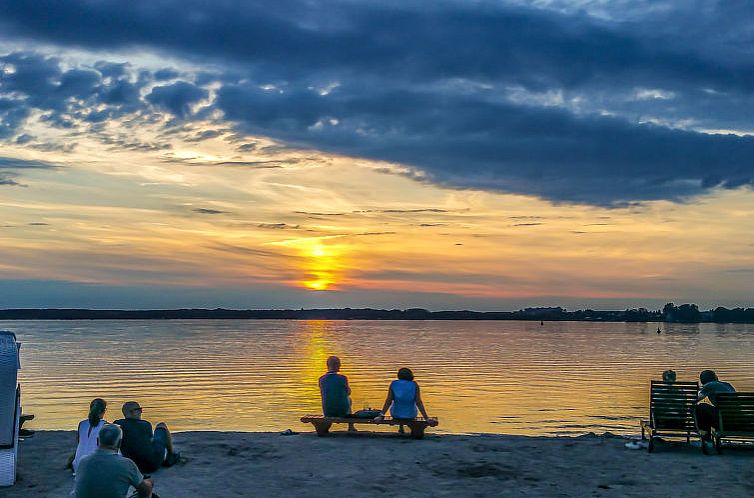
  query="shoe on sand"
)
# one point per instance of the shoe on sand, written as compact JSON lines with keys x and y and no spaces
{"x":171,"y":460}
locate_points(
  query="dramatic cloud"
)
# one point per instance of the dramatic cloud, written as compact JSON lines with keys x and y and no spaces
{"x":576,"y":102}
{"x":177,"y":98}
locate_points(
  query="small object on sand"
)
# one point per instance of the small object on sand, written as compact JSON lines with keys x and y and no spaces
{"x":636,"y":445}
{"x":659,"y":331}
{"x":633,"y":445}
{"x":288,"y":432}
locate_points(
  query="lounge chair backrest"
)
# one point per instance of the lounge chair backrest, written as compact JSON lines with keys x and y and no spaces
{"x":736,"y":411}
{"x":9,"y":364}
{"x":672,"y":403}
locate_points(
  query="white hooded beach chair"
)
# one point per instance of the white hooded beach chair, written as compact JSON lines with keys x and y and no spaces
{"x":10,"y":407}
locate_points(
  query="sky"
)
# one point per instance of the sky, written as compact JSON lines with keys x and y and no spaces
{"x":475,"y":154}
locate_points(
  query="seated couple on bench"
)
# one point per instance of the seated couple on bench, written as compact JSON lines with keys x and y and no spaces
{"x":403,"y":398}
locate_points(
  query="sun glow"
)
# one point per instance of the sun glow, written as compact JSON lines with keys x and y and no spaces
{"x":317,"y":284}
{"x":321,"y":260}
{"x":321,"y":264}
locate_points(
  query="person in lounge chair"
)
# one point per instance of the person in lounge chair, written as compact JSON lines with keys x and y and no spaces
{"x":677,"y":405}
{"x":403,"y":398}
{"x":706,"y":412}
{"x":105,"y":473}
{"x":88,"y":430}
{"x":335,"y":392}
{"x":148,"y":450}
{"x":669,"y":376}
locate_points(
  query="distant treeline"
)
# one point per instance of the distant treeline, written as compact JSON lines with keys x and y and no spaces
{"x":685,"y":313}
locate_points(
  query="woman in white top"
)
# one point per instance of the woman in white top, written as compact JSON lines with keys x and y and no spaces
{"x":404,"y":397}
{"x":86,"y":436}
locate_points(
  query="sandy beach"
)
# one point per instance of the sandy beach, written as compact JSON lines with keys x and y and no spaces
{"x":224,"y":464}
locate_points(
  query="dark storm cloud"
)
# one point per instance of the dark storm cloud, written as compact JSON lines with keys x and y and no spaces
{"x":67,"y":98}
{"x":204,"y":135}
{"x":12,"y":115}
{"x":177,"y":98}
{"x":476,"y":95}
{"x":166,"y":74}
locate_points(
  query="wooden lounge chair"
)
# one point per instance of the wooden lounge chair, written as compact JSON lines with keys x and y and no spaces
{"x":735,"y":418}
{"x":671,"y":411}
{"x":322,"y":424}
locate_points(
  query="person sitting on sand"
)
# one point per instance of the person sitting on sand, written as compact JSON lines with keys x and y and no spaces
{"x":88,"y":430}
{"x":403,"y":398}
{"x":335,"y":392}
{"x":105,"y":473}
{"x":149,"y":451}
{"x":706,"y":412}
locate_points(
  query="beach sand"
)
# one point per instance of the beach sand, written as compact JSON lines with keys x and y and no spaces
{"x":222,"y":464}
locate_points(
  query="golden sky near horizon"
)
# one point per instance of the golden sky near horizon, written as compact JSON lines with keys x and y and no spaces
{"x":203,"y":215}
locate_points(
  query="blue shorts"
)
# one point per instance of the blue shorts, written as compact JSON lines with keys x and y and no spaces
{"x":160,"y":444}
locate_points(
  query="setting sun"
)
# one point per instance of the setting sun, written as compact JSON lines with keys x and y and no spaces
{"x":317,"y":284}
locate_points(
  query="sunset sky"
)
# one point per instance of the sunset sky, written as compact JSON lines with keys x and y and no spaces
{"x":447,"y":155}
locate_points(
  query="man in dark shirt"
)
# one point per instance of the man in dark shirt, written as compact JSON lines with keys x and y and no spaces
{"x":149,"y":451}
{"x":706,"y":413}
{"x":335,"y":392}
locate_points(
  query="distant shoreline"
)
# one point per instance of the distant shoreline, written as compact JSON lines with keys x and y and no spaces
{"x":669,"y":314}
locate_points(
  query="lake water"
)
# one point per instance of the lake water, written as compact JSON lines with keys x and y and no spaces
{"x":261,"y":375}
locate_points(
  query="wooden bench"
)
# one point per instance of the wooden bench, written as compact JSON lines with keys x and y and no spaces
{"x":671,"y":411}
{"x":322,"y":424}
{"x":735,"y":418}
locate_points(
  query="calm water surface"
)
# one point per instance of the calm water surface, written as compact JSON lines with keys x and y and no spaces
{"x":261,"y":375}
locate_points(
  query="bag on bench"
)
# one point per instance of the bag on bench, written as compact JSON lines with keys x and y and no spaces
{"x":366,"y":414}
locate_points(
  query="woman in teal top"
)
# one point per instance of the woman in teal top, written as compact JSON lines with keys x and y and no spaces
{"x":403,"y":398}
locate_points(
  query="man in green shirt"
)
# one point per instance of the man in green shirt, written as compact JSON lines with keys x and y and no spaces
{"x":106,"y":474}
{"x":335,"y":392}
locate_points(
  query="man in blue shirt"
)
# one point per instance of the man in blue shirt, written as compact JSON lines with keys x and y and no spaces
{"x":335,"y":392}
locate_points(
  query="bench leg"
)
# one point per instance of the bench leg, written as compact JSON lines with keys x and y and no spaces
{"x":417,"y":431}
{"x":322,"y":428}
